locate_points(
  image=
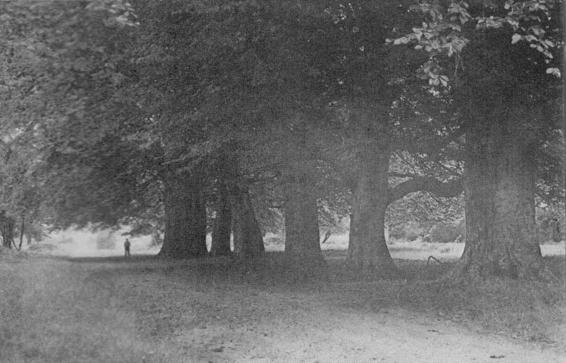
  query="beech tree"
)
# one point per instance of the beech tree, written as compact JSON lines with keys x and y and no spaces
{"x":500,"y":62}
{"x":46,"y":58}
{"x":365,"y":84}
{"x":222,"y":227}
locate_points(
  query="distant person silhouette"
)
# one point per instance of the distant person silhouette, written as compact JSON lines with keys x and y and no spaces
{"x":127,"y":245}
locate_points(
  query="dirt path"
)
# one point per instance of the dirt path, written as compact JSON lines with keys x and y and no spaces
{"x":148,"y":311}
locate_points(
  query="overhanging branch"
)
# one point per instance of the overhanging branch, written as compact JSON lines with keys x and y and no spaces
{"x":447,"y":189}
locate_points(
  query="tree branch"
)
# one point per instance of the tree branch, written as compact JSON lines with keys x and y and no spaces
{"x":395,"y":174}
{"x":447,"y":189}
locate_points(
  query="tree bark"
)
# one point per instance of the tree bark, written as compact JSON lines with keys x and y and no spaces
{"x":351,"y":236}
{"x":367,"y":249}
{"x":248,"y":241}
{"x":22,"y":225}
{"x":185,"y":217}
{"x":499,"y":184}
{"x":7,"y":225}
{"x":302,"y":236}
{"x":222,"y":228}
{"x":6,"y":242}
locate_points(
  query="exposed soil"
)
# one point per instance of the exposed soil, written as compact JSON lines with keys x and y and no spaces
{"x":148,"y":310}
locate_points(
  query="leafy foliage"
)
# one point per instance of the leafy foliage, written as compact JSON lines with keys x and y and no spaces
{"x":449,"y":26}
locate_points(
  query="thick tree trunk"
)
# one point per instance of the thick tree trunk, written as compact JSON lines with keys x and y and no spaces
{"x":222,"y":228}
{"x":185,"y":217}
{"x":7,"y":225}
{"x":500,"y":209}
{"x":302,"y":236}
{"x":248,"y":241}
{"x":6,"y":242}
{"x":367,"y":249}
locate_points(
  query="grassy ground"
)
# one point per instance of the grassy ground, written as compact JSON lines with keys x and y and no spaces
{"x":145,"y":309}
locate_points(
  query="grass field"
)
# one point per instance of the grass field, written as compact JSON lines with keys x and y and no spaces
{"x":143,"y":309}
{"x":83,"y":243}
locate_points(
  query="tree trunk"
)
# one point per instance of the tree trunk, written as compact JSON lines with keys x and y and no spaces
{"x":222,"y":228}
{"x":500,"y":209}
{"x":7,"y":225}
{"x":302,"y":236}
{"x":6,"y":242}
{"x":351,"y":242}
{"x":22,"y":225}
{"x":367,"y":249}
{"x":248,"y":241}
{"x":185,"y":217}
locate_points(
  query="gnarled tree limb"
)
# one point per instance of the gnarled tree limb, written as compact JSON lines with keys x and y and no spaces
{"x":450,"y":188}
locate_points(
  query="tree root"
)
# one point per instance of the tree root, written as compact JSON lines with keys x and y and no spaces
{"x":432,"y":258}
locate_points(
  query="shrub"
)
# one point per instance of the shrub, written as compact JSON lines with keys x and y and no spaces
{"x":275,"y":240}
{"x":105,"y":241}
{"x":445,"y":232}
{"x":408,"y":231}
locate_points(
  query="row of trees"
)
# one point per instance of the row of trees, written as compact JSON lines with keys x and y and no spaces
{"x":152,"y":112}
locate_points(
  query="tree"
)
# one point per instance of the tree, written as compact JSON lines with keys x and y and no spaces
{"x":502,"y":84}
{"x":300,"y":198}
{"x":46,"y":60}
{"x":222,"y":228}
{"x":185,"y":216}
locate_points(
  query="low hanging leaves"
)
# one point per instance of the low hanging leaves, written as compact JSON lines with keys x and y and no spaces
{"x":446,"y":30}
